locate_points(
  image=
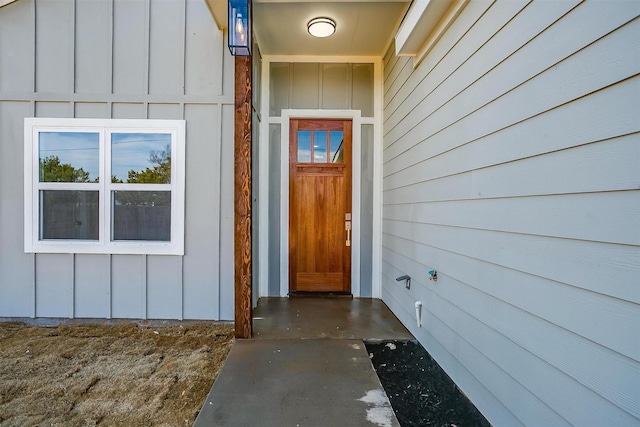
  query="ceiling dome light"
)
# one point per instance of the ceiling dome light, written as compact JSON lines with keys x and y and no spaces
{"x":321,"y":27}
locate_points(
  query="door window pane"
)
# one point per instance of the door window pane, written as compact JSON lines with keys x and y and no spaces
{"x":69,"y":215}
{"x":320,"y":146}
{"x":304,"y":146}
{"x":337,"y":148}
{"x":141,"y":215}
{"x":143,"y":158}
{"x":69,"y":156}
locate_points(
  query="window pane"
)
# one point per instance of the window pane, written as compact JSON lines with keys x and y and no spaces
{"x":141,"y":215}
{"x":337,"y":148}
{"x":69,"y":215}
{"x":320,"y":146}
{"x":141,"y":158}
{"x":304,"y":146}
{"x":69,"y":156}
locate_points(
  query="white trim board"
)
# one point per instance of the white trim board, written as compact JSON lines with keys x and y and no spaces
{"x":5,"y":2}
{"x":321,"y":59}
{"x":376,"y":232}
{"x":263,"y":188}
{"x":356,"y":167}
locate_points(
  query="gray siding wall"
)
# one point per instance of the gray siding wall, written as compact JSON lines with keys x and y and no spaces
{"x":321,"y":86}
{"x":274,"y":209}
{"x":512,"y":167}
{"x":132,"y":59}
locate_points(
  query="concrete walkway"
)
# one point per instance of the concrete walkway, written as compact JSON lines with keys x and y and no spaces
{"x":306,"y":366}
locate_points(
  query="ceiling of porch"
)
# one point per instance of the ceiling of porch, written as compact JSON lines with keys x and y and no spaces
{"x":363,"y":27}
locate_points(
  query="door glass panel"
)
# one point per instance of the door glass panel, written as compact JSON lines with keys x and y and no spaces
{"x":337,"y":148}
{"x":69,"y":156}
{"x":304,"y":146}
{"x":320,"y":146}
{"x":143,"y":158}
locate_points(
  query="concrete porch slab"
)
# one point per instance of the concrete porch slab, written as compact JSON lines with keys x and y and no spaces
{"x":306,"y":366}
{"x":326,"y":318}
{"x":297,"y":382}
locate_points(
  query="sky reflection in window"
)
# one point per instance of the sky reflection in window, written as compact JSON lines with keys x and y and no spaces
{"x":320,"y":146}
{"x":304,"y":146}
{"x":69,"y":156}
{"x":337,"y":148}
{"x":141,"y":153}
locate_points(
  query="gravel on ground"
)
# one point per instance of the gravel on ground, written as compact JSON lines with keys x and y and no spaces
{"x":420,"y":392}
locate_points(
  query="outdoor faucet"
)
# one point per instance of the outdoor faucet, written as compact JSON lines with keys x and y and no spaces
{"x":407,"y":279}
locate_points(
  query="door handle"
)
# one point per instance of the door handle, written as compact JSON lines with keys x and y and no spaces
{"x":347,"y":227}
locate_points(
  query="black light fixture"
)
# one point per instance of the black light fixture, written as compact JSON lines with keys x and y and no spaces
{"x":240,"y":27}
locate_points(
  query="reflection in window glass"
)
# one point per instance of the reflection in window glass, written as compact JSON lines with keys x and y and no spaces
{"x":337,"y":147}
{"x":320,"y":146}
{"x":69,"y":215}
{"x":143,"y":158}
{"x":69,"y":156}
{"x":304,"y":146}
{"x":141,"y":215}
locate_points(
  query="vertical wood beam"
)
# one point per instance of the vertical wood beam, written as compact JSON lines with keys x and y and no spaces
{"x":242,"y":197}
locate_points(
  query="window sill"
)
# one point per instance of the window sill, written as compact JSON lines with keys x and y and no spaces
{"x":115,"y":248}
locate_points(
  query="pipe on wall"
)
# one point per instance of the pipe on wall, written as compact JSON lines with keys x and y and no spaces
{"x":419,"y":313}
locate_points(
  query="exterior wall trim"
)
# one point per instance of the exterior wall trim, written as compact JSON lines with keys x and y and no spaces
{"x":263,"y":188}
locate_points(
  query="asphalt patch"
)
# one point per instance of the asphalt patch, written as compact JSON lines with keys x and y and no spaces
{"x":420,"y":392}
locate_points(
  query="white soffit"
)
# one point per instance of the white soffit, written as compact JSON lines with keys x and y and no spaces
{"x":5,"y":2}
{"x":420,"y":22}
{"x":218,"y":9}
{"x":363,"y":27}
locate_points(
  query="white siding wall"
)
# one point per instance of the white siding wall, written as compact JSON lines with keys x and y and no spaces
{"x":120,"y":59}
{"x":512,"y":167}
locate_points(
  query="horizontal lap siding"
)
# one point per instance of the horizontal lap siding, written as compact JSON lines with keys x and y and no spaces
{"x":119,"y":59}
{"x":512,"y":167}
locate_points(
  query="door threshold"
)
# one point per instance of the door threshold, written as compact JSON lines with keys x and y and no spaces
{"x":303,"y":294}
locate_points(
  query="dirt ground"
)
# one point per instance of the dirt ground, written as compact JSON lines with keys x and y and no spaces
{"x":87,"y":375}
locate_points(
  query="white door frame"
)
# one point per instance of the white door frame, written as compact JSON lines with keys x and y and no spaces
{"x":356,"y":147}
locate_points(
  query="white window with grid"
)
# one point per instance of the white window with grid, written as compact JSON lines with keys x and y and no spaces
{"x":104,"y":186}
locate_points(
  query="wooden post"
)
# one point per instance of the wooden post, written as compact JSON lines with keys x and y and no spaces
{"x":242,"y":197}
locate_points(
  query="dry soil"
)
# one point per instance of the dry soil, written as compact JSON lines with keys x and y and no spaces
{"x":87,"y":375}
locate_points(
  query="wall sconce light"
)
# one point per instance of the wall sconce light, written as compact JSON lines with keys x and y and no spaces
{"x":321,"y":27}
{"x":240,"y":27}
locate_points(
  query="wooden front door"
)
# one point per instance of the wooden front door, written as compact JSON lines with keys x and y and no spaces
{"x":320,"y":205}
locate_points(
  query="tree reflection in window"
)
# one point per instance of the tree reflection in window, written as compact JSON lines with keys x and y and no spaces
{"x":142,"y":158}
{"x":53,"y":170}
{"x":68,"y":156}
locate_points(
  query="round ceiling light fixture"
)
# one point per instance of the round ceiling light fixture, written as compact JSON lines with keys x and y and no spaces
{"x":321,"y":27}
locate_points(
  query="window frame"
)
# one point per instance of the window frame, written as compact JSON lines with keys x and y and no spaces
{"x":104,"y":244}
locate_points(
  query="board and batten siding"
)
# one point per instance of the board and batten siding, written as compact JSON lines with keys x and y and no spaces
{"x":512,"y":167}
{"x":121,"y":59}
{"x":325,"y":86}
